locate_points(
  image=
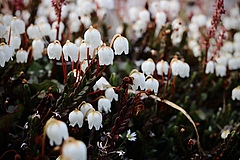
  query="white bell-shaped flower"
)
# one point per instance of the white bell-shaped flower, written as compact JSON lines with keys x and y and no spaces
{"x":54,"y":50}
{"x":105,"y":55}
{"x":15,"y":41}
{"x":152,"y":84}
{"x":162,"y":67}
{"x":221,"y":70}
{"x":70,"y":49}
{"x":76,"y":117}
{"x":101,"y":84}
{"x":236,"y":37}
{"x":234,"y":63}
{"x":93,"y":37}
{"x":104,"y":104}
{"x":94,"y":119}
{"x":84,"y":65}
{"x":148,"y":66}
{"x":110,"y":94}
{"x":45,"y":28}
{"x":17,"y":26}
{"x":85,"y":49}
{"x":21,"y":56}
{"x":73,"y":149}
{"x":144,"y":15}
{"x":236,"y":93}
{"x":86,"y":108}
{"x":209,"y":67}
{"x":138,"y":79}
{"x":2,"y":58}
{"x":184,"y":70}
{"x":33,"y":32}
{"x":179,"y":68}
{"x":7,"y":50}
{"x":7,"y":18}
{"x":121,"y":45}
{"x":56,"y":131}
{"x":3,"y":30}
{"x":38,"y":47}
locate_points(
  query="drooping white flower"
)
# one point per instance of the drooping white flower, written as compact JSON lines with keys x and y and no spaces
{"x":44,"y":28}
{"x":70,"y":49}
{"x":110,"y":94}
{"x":15,"y":41}
{"x":7,"y":50}
{"x":38,"y":47}
{"x":234,"y":63}
{"x":148,"y":66}
{"x":84,"y":65}
{"x":73,"y":149}
{"x":221,"y":70}
{"x":17,"y":26}
{"x":21,"y":56}
{"x":152,"y":84}
{"x":236,"y":93}
{"x":3,"y":29}
{"x":131,"y":136}
{"x":138,"y":79}
{"x":209,"y":67}
{"x":54,"y":50}
{"x":120,"y":45}
{"x":162,"y":67}
{"x":7,"y":18}
{"x":236,"y":37}
{"x":94,"y":119}
{"x":179,"y":68}
{"x":227,"y":47}
{"x":105,"y":55}
{"x":33,"y":32}
{"x":86,"y":108}
{"x":104,"y":104}
{"x":2,"y":58}
{"x":93,"y":37}
{"x":144,"y":16}
{"x":85,"y":49}
{"x":101,"y":84}
{"x":56,"y":130}
{"x":76,"y":117}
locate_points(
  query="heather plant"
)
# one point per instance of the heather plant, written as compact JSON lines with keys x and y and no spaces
{"x":67,"y":91}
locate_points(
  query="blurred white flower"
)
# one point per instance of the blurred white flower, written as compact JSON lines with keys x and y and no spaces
{"x":45,"y":28}
{"x":76,"y":117}
{"x":85,"y":49}
{"x":148,"y":66}
{"x":56,"y":130}
{"x":209,"y":67}
{"x":225,"y":133}
{"x":38,"y":47}
{"x":144,"y":16}
{"x":104,"y":104}
{"x":15,"y":41}
{"x":221,"y":70}
{"x":33,"y":32}
{"x":21,"y":56}
{"x":94,"y":119}
{"x":17,"y":26}
{"x":3,"y":29}
{"x":236,"y":93}
{"x":73,"y":149}
{"x":131,"y":136}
